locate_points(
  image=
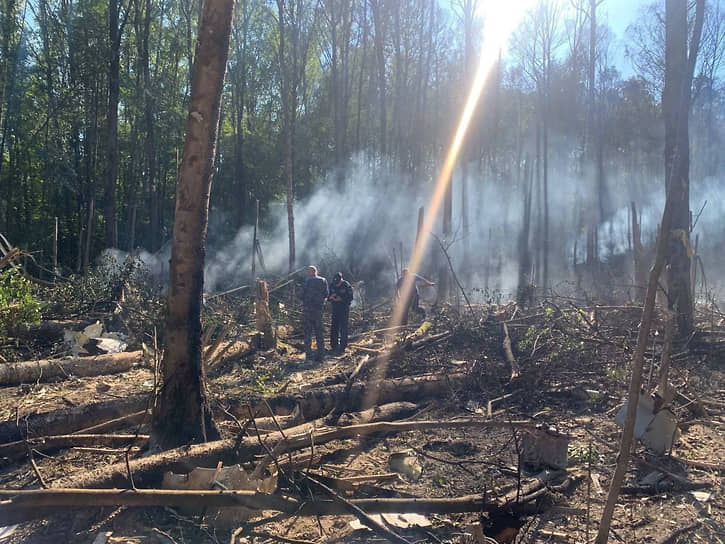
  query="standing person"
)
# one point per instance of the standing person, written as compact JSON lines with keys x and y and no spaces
{"x":413,"y":296}
{"x":314,"y":294}
{"x":341,"y":298}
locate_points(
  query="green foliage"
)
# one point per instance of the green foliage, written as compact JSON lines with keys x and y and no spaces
{"x":616,"y":373}
{"x":583,"y":455}
{"x":18,"y":304}
{"x":100,"y":288}
{"x":526,"y":344}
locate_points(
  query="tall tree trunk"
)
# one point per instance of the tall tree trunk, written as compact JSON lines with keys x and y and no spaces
{"x":150,"y":142}
{"x":181,"y":414}
{"x":112,"y":154}
{"x":239,"y":94}
{"x":289,"y":112}
{"x":469,"y":8}
{"x":676,"y":98}
{"x":524,"y":294}
{"x":444,"y":274}
{"x":379,"y":42}
{"x":8,"y":23}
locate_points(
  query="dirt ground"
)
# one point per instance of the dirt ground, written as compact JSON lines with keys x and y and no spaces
{"x":574,"y":364}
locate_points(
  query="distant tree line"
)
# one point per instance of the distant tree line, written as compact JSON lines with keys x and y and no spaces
{"x":94,"y":97}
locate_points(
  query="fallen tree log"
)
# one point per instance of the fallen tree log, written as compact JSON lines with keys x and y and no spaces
{"x":137,"y":418}
{"x":318,"y":402}
{"x":49,"y":369}
{"x":24,"y":505}
{"x":48,"y":331}
{"x":148,"y":471}
{"x":68,"y":420}
{"x":312,"y":404}
{"x":19,"y":449}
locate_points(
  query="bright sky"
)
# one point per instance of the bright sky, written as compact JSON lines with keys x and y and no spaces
{"x":619,"y":14}
{"x":501,"y":17}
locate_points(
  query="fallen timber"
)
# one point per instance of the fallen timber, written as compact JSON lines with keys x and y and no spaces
{"x":147,"y":471}
{"x":72,"y":419}
{"x":23,"y":505}
{"x":318,"y":402}
{"x":51,"y":369}
{"x":19,"y":449}
{"x":313,"y":403}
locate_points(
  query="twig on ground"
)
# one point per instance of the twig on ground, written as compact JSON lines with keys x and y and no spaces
{"x":364,"y":518}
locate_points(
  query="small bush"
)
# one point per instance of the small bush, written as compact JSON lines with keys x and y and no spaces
{"x":18,"y":305}
{"x":96,"y":291}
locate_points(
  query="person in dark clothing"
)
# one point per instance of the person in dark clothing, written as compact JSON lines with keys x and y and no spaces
{"x":413,"y":298}
{"x":341,"y":298}
{"x":314,"y":294}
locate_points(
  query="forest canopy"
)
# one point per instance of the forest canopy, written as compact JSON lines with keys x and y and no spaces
{"x":92,"y":120}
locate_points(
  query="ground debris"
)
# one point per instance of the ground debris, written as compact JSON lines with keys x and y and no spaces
{"x":572,"y":359}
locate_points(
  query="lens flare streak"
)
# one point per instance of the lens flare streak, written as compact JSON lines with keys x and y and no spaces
{"x":501,"y":25}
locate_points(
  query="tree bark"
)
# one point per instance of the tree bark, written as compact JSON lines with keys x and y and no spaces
{"x":49,"y":369}
{"x":676,"y":98}
{"x":71,"y":419}
{"x":112,"y":154}
{"x":182,"y":414}
{"x":264,"y":319}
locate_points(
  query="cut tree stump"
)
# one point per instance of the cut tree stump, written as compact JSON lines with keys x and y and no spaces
{"x":268,"y":338}
{"x":50,"y":369}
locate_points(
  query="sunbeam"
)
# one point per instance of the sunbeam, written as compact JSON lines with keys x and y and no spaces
{"x":500,"y":20}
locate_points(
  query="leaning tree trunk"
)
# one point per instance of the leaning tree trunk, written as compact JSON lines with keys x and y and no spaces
{"x":181,"y":414}
{"x":675,"y":102}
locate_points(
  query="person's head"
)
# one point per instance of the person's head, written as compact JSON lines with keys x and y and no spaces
{"x":404,"y":272}
{"x":312,"y":270}
{"x":337,"y":278}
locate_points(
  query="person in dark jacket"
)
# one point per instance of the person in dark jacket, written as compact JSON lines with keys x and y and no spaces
{"x":314,"y":294}
{"x":341,"y":298}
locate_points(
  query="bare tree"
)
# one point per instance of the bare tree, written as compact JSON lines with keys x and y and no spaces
{"x":535,"y":44}
{"x":116,"y":23}
{"x":295,"y":32}
{"x":680,"y":66}
{"x":181,"y":414}
{"x":339,"y":21}
{"x":676,"y":99}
